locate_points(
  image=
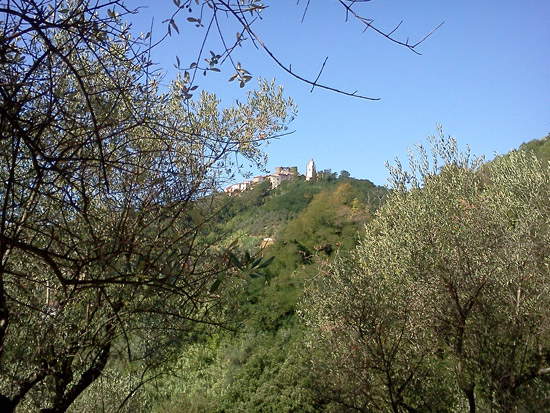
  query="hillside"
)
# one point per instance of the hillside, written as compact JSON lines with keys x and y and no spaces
{"x":258,"y":364}
{"x":262,"y":367}
{"x":538,"y":147}
{"x":259,"y":367}
{"x":260,"y":212}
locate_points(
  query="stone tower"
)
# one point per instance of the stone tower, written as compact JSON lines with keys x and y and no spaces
{"x":311,"y":173}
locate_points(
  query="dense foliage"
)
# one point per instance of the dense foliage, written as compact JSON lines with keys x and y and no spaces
{"x":128,"y":283}
{"x":444,"y":304}
{"x":104,"y":184}
{"x":260,"y":367}
{"x":118,"y":261}
{"x":538,"y":147}
{"x":441,"y":304}
{"x":259,"y":364}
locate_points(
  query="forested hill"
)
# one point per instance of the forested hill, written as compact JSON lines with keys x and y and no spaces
{"x":538,"y":147}
{"x":324,"y":211}
{"x":261,"y":367}
{"x":328,"y":210}
{"x":264,"y":363}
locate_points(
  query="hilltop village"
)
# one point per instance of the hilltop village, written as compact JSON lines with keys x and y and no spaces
{"x":281,"y":174}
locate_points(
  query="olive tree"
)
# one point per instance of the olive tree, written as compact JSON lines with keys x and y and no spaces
{"x":445,"y":304}
{"x":106,"y":191}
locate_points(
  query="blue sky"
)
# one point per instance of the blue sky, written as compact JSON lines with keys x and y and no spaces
{"x":484,"y":76}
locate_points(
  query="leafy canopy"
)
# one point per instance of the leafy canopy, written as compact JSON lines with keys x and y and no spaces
{"x":444,"y":305}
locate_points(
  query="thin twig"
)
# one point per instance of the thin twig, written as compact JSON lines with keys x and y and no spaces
{"x":319,"y":75}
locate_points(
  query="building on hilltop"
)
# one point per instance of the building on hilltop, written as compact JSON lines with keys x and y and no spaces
{"x":258,"y":179}
{"x":243,"y":186}
{"x":286,"y":170}
{"x":311,"y":172}
{"x":281,"y":174}
{"x":239,"y":187}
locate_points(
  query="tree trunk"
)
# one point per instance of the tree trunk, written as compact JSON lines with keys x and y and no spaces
{"x":6,"y":404}
{"x":470,"y":395}
{"x":63,"y":401}
{"x":4,"y":313}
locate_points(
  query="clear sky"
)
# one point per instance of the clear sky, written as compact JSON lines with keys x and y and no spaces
{"x":484,"y":76}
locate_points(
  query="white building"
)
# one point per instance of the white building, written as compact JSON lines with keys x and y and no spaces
{"x":311,"y":172}
{"x":241,"y":186}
